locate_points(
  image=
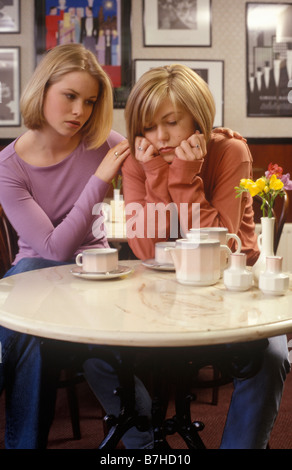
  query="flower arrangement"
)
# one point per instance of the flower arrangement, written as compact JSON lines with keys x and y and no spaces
{"x":117,"y":182}
{"x":268,"y":187}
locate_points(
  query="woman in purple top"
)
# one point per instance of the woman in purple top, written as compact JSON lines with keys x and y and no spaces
{"x":51,"y":177}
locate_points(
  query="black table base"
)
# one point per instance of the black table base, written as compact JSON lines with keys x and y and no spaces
{"x":176,"y":368}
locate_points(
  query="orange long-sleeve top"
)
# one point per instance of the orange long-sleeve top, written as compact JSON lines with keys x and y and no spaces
{"x":209,"y":182}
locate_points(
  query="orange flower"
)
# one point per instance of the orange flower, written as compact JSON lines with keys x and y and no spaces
{"x":274,"y":169}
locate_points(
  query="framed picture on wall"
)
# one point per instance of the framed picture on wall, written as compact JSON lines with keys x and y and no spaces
{"x":212,"y":71}
{"x":269,"y":59}
{"x":102,"y":26}
{"x":177,"y":23}
{"x":10,"y":16}
{"x":9,"y":86}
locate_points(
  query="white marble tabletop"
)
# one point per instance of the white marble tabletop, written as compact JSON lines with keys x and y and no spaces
{"x":144,"y":308}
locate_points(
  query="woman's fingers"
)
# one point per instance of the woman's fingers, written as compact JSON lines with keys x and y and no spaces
{"x":111,"y":163}
{"x":194,"y":148}
{"x":144,"y":151}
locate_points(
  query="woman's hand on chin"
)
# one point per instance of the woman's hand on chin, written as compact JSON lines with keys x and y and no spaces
{"x":194,"y":148}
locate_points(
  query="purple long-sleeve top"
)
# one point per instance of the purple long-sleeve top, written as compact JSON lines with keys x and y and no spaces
{"x":53,"y":209}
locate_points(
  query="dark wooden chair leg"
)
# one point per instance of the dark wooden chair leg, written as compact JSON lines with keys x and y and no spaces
{"x":74,"y":410}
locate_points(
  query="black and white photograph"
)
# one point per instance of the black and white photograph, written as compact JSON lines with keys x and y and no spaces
{"x":212,"y":71}
{"x":269,"y":59}
{"x":9,"y":86}
{"x":9,"y":16}
{"x":177,"y":23}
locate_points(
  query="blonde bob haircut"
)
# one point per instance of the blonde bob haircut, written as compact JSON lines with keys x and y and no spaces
{"x":176,"y":82}
{"x":56,"y":63}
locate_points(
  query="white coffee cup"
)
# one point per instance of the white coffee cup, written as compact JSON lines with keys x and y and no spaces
{"x":98,"y":260}
{"x":162,"y":253}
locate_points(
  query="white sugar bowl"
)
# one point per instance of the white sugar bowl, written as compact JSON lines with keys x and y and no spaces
{"x":273,"y":281}
{"x":237,"y":277}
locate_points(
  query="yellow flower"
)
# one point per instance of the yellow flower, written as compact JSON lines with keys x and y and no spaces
{"x":243,"y":182}
{"x":261,"y":183}
{"x":268,"y":187}
{"x":253,"y":189}
{"x":275,"y":183}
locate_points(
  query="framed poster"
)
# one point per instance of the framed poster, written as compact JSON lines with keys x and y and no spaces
{"x":177,"y":23}
{"x":10,"y":16}
{"x":103,"y":26}
{"x":212,"y":71}
{"x":9,"y":86}
{"x":269,"y":59}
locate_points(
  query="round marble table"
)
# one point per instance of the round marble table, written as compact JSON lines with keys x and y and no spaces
{"x":145,"y":307}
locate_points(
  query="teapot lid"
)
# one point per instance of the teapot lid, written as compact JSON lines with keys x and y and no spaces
{"x":196,"y":235}
{"x":194,"y":241}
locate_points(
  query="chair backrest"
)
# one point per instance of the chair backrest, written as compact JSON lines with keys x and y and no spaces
{"x":8,"y":243}
{"x":280,"y":212}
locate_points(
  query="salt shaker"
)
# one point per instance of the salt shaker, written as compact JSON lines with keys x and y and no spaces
{"x":237,"y":277}
{"x":273,"y":281}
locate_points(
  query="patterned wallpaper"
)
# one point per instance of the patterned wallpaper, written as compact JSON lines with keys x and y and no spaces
{"x":228,"y":44}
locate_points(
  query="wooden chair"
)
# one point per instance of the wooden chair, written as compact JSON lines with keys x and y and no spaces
{"x":8,"y":243}
{"x":70,"y":377}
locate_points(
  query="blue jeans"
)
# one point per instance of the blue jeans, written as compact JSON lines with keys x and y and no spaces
{"x":102,"y":377}
{"x":255,"y":401}
{"x":29,"y":373}
{"x":254,"y":405}
{"x":25,"y":375}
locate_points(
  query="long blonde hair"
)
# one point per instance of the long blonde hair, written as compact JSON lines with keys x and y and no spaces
{"x":176,"y":82}
{"x":55,"y":64}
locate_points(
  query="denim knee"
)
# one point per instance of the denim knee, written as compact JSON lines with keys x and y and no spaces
{"x":277,"y":355}
{"x":30,"y":264}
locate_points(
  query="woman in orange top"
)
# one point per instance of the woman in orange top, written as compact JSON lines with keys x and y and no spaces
{"x":176,"y":158}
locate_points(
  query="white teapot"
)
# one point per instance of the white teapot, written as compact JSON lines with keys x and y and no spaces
{"x":197,"y":260}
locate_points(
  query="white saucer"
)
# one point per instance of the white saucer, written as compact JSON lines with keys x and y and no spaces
{"x":121,"y":271}
{"x":152,"y":264}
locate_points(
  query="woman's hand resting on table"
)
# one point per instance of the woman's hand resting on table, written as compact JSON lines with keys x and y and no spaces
{"x":111,"y":163}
